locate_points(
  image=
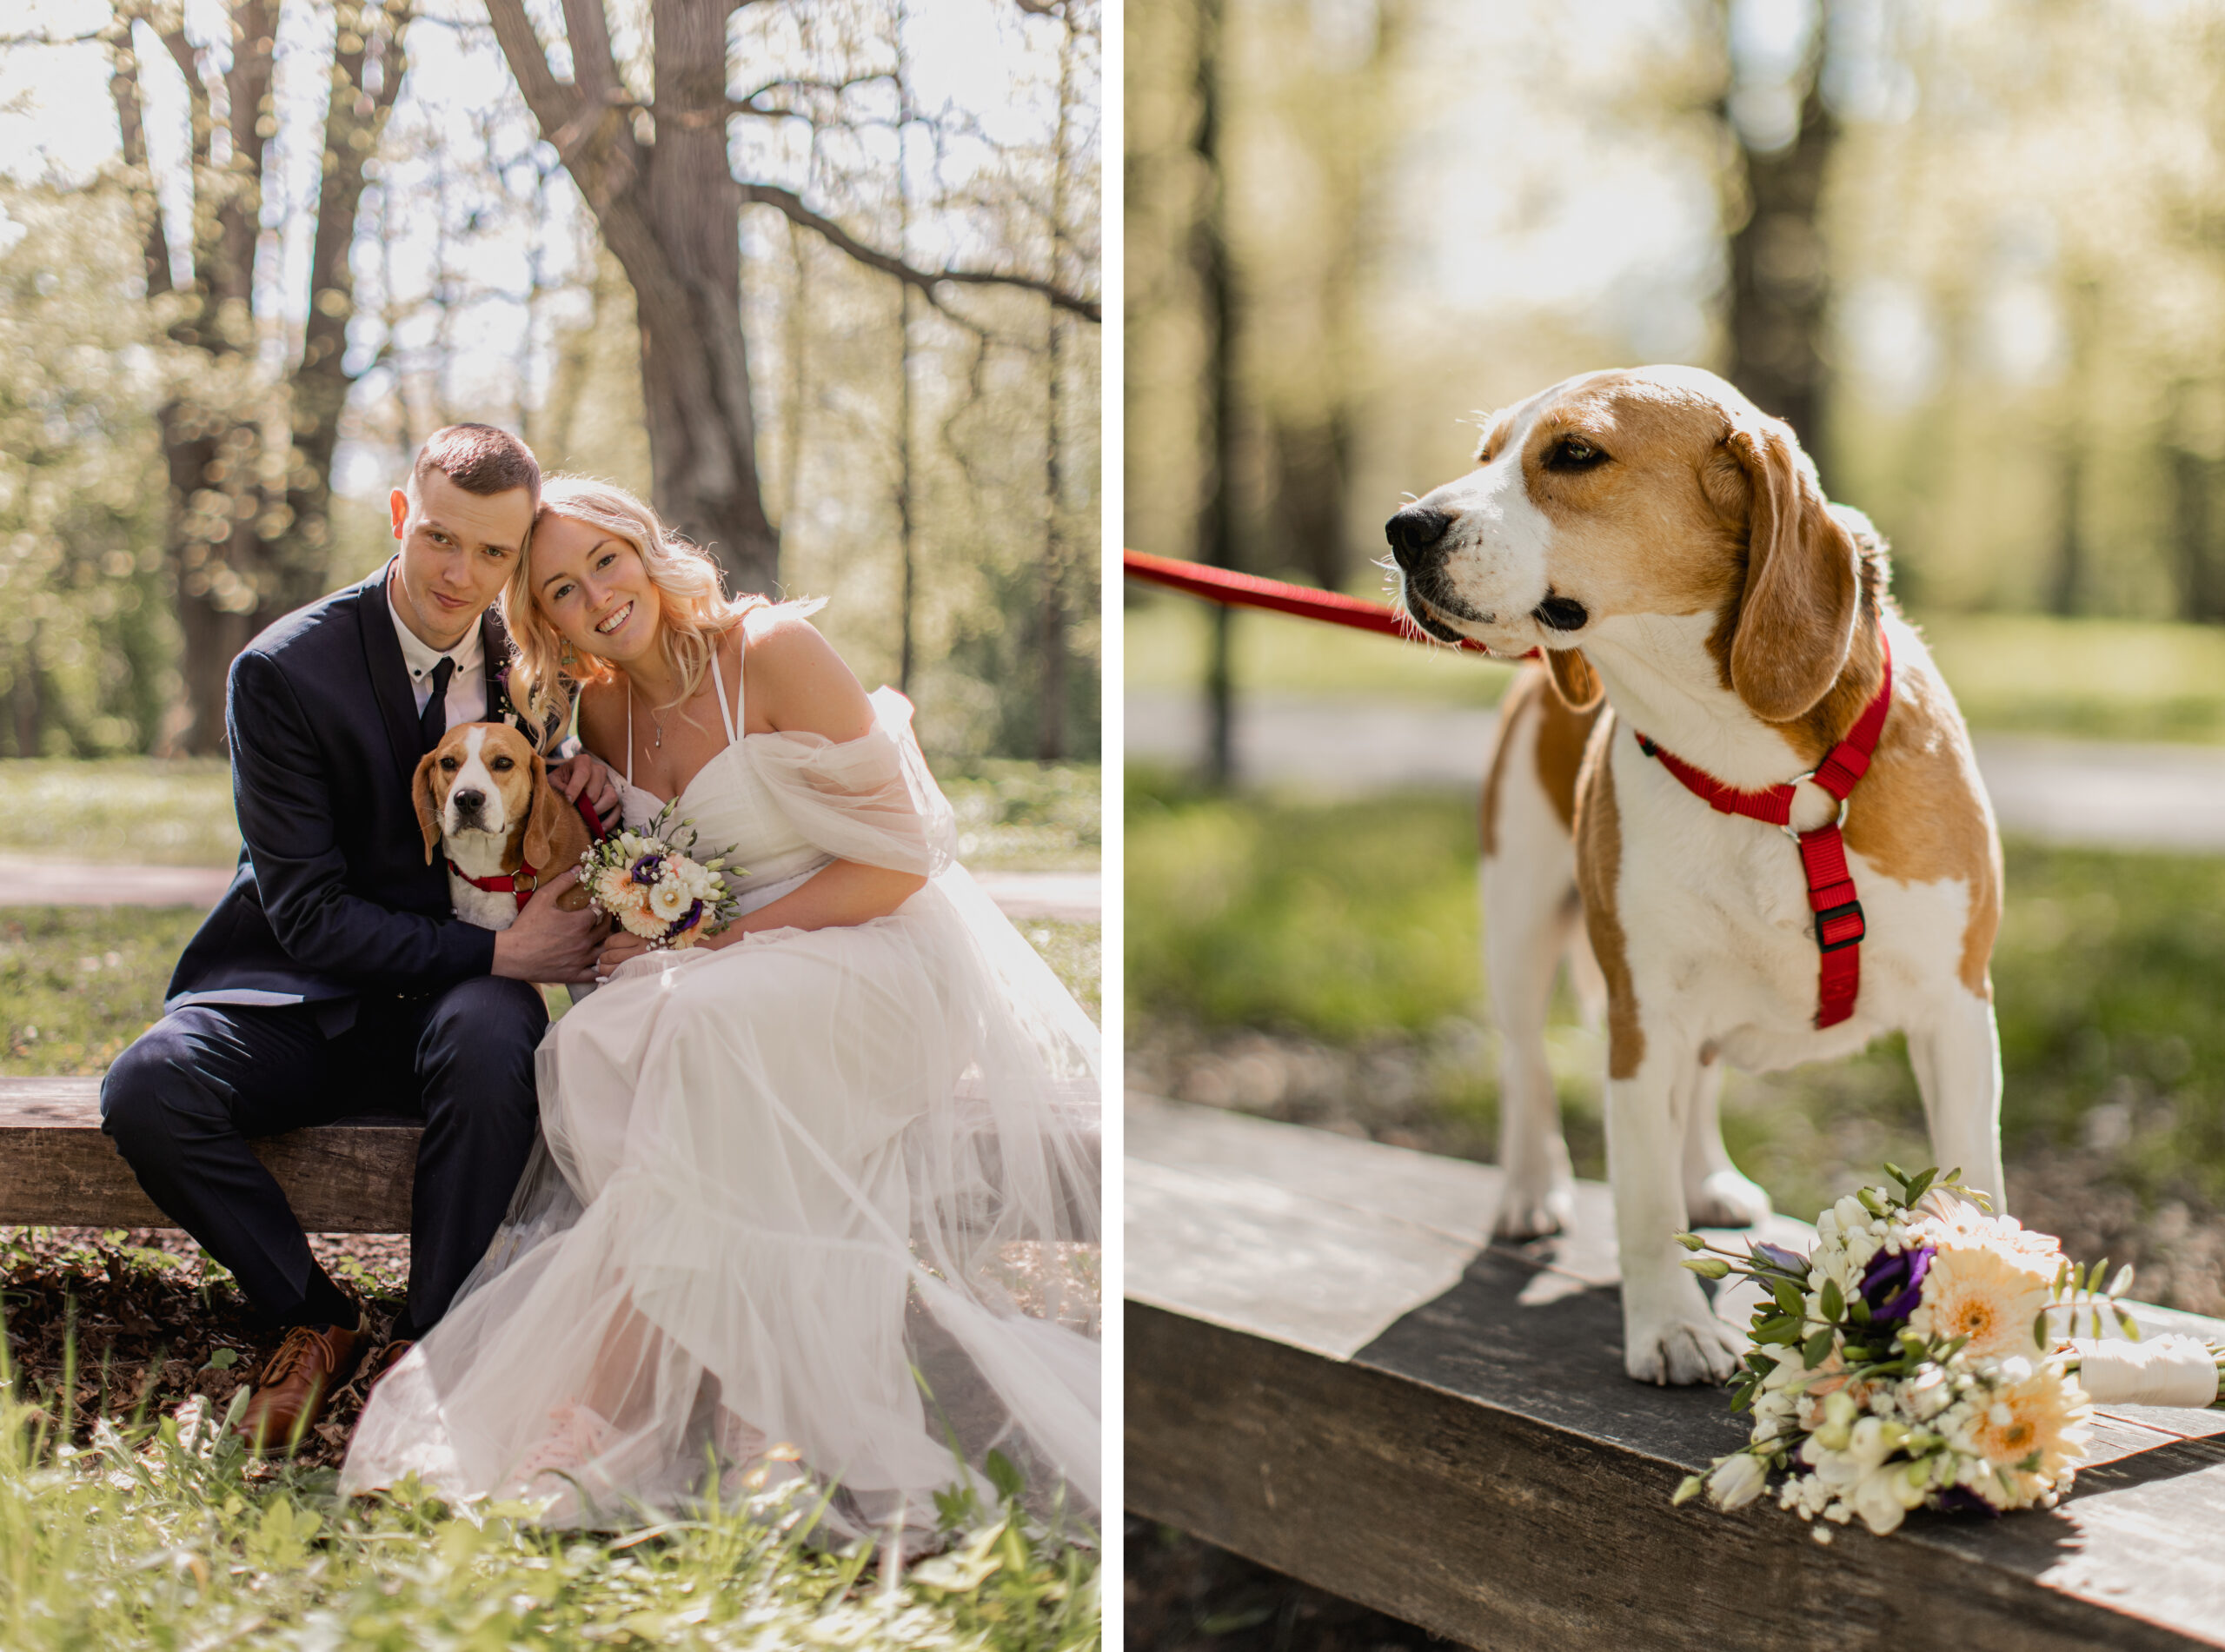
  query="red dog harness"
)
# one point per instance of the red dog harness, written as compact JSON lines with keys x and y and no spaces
{"x":521,"y":883}
{"x":1839,"y":925}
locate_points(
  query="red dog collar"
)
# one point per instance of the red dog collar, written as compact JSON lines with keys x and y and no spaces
{"x":527,"y":878}
{"x":1839,"y":923}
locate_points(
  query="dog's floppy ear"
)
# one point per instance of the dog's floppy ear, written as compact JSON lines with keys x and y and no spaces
{"x":542,"y":817}
{"x":428,"y":808}
{"x":1574,"y":680}
{"x":1796,"y":617}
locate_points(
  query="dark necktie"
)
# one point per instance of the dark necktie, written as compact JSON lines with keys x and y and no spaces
{"x":434,"y":722}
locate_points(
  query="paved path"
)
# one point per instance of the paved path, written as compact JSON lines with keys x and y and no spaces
{"x":33,"y":880}
{"x":2075,"y":792}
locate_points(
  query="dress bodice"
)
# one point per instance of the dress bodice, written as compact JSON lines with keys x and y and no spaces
{"x":733,"y":811}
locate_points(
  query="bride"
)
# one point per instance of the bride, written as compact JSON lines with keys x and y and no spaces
{"x":810,"y":1194}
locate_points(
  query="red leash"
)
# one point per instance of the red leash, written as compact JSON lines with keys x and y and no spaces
{"x":1839,"y":923}
{"x":1250,"y":591}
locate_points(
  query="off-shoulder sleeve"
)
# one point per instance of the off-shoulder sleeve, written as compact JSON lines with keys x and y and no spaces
{"x":869,"y":799}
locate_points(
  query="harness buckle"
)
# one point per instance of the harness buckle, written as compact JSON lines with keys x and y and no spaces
{"x":525,"y":880}
{"x":1830,"y":914}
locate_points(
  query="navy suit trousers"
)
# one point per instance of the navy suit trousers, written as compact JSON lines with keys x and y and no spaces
{"x":182,"y":1103}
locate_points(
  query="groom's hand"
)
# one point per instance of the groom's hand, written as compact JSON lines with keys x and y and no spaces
{"x":546,"y":943}
{"x":587,"y":772}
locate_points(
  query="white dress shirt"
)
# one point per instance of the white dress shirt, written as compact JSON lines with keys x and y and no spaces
{"x":466,"y":699}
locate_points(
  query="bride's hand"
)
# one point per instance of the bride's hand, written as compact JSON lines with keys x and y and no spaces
{"x":591,"y":774}
{"x":623,"y":947}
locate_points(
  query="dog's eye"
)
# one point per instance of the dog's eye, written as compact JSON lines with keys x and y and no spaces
{"x":447,"y":765}
{"x":1573,"y":452}
{"x":502,"y":765}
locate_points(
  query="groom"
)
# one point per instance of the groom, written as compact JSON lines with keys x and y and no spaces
{"x":331,"y":979}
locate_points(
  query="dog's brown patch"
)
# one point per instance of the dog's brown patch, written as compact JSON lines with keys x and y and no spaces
{"x":1519,"y":705}
{"x":1652,"y":539}
{"x":1557,"y":756}
{"x":1919,"y":815}
{"x":1598,"y":865}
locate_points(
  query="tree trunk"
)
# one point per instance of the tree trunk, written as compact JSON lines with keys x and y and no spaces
{"x":695,"y":365}
{"x":668,"y":208}
{"x":367,"y":65}
{"x":2193,"y":477}
{"x":1216,"y":532}
{"x":247,"y":532}
{"x":1779,"y":288}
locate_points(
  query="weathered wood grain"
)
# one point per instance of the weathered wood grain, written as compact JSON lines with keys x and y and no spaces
{"x":57,"y":1169}
{"x":1483,"y":1467}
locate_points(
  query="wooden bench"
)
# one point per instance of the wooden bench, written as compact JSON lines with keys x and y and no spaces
{"x":1331,"y":1371}
{"x":57,"y":1168}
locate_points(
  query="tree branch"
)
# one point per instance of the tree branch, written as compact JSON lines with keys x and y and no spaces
{"x":926,"y":281}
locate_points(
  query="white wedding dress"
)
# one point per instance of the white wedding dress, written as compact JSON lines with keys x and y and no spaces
{"x":825,"y":1196}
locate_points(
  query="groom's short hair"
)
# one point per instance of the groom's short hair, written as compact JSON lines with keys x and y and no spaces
{"x":479,"y":459}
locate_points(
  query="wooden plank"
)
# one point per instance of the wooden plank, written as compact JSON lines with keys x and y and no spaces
{"x":57,"y":1169}
{"x":1483,"y":1467}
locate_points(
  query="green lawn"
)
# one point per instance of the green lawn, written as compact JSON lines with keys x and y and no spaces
{"x":1010,"y":815}
{"x":2094,"y":679}
{"x":1345,"y":937}
{"x":151,"y":1536}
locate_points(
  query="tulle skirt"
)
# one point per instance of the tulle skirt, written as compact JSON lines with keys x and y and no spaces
{"x":820,"y":1204}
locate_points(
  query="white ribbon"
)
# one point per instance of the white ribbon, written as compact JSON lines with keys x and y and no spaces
{"x":2164,"y":1370}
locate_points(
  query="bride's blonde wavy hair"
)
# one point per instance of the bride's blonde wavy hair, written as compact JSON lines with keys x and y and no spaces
{"x":698,"y":613}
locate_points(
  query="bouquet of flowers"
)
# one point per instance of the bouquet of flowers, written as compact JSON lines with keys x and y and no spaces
{"x":651,"y":882}
{"x":1925,"y":1355}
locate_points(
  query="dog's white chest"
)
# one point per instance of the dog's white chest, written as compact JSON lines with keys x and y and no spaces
{"x":486,"y":908}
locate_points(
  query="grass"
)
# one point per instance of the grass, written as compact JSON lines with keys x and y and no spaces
{"x":2029,"y":673}
{"x":159,"y":1533}
{"x":1345,"y":936}
{"x":79,"y":983}
{"x":1012,"y":816}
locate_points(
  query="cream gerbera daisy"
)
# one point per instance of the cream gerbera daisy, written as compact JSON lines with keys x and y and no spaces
{"x":2032,"y":1426}
{"x":1993,"y":1298}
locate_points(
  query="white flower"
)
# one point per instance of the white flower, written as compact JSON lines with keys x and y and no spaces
{"x":1737,"y":1481}
{"x":669,"y":900}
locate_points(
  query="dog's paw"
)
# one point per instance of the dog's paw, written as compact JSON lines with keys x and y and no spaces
{"x":1534,"y":1212}
{"x":1683,"y":1350}
{"x":1726,"y":1199}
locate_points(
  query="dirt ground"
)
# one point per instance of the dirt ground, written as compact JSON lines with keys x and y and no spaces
{"x":144,"y":1322}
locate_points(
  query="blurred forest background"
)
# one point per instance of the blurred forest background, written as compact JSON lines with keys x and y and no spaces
{"x":819,"y":278}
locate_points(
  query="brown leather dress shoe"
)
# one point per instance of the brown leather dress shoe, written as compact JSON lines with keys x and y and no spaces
{"x":289,"y":1397}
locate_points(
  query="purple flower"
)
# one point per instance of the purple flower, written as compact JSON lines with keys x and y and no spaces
{"x":1893,"y":1283}
{"x":1777,"y":1256}
{"x":693,"y":917}
{"x":645,"y":870}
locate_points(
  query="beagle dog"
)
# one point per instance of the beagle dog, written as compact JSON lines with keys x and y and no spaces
{"x":483,"y":797}
{"x":1738,"y":772}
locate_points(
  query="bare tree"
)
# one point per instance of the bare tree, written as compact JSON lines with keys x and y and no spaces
{"x":248,"y":519}
{"x":655,"y":172}
{"x":1779,"y":288}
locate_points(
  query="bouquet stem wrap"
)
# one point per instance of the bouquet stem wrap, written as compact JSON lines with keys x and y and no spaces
{"x":2170,"y":1370}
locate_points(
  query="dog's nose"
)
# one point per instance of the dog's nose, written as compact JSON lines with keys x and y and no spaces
{"x":467,"y":802}
{"x":1413,"y":532}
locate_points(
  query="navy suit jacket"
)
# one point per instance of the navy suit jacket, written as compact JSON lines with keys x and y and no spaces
{"x":333,"y":900}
